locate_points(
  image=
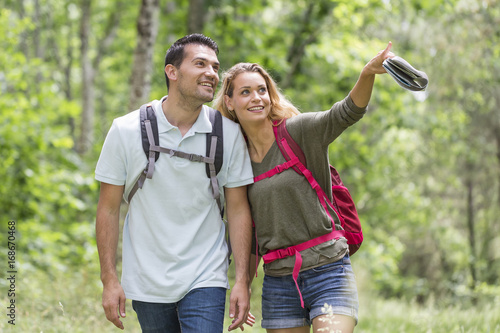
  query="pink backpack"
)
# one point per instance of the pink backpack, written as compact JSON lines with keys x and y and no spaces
{"x":342,"y":203}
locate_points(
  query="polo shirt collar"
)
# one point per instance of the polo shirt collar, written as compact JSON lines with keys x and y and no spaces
{"x":201,"y":125}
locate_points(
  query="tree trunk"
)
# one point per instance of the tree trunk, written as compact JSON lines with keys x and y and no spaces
{"x":24,"y":35}
{"x":36,"y":32}
{"x":497,"y":139}
{"x":87,"y":121}
{"x":297,"y":50}
{"x":470,"y":225}
{"x":37,"y":44}
{"x":147,"y":30}
{"x":196,"y":16}
{"x":68,"y":90}
{"x":89,"y":68}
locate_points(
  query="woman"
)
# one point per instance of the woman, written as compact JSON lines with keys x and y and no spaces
{"x":286,"y":209}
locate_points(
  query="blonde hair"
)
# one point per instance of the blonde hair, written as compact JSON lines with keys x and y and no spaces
{"x":281,"y":107}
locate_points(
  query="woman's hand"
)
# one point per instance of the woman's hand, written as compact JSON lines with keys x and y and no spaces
{"x":362,"y":90}
{"x":250,"y":321}
{"x":374,"y":66}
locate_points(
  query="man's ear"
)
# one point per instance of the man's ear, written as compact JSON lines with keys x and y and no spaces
{"x":171,"y":72}
{"x":228,"y":102}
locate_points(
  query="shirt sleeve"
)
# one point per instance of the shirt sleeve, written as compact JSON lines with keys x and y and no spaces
{"x":239,"y":165}
{"x":111,"y":166}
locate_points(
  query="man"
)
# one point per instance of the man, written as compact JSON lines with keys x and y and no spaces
{"x":174,"y":250}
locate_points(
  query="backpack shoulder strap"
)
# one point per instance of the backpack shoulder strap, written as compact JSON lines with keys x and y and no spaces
{"x":147,"y":113}
{"x":215,"y":149}
{"x":217,"y":131}
{"x":149,"y":132}
{"x":281,"y":132}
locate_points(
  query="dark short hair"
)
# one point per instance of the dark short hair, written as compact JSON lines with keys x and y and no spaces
{"x":175,"y":54}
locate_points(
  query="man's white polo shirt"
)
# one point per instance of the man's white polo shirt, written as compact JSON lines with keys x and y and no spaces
{"x":173,"y":236}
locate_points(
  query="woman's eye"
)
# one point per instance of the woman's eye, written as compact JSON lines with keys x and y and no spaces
{"x":262,"y":90}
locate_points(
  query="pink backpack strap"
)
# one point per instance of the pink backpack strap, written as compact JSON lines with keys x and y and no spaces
{"x":277,"y":169}
{"x":280,"y":132}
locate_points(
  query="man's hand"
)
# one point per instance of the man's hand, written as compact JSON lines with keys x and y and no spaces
{"x":113,"y":302}
{"x":239,"y":305}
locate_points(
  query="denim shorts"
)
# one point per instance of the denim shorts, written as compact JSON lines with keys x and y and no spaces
{"x":202,"y":307}
{"x":333,"y":284}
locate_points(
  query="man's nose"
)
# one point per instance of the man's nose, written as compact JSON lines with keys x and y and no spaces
{"x":212,"y":72}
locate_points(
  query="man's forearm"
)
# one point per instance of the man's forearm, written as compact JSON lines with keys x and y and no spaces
{"x":107,"y":233}
{"x":240,"y":231}
{"x":107,"y":230}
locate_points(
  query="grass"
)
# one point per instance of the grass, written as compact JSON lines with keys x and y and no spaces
{"x":71,"y":302}
{"x":378,"y":315}
{"x":63,"y":302}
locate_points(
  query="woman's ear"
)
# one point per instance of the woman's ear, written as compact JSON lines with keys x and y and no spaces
{"x":228,"y":102}
{"x":171,"y":72}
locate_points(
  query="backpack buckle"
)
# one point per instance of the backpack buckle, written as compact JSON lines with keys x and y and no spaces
{"x":195,"y":158}
{"x":288,"y":252}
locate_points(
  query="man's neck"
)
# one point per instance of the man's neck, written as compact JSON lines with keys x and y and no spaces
{"x":180,"y":114}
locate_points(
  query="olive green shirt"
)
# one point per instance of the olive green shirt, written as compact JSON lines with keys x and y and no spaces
{"x":285,"y":208}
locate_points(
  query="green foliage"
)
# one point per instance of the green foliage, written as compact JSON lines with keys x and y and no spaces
{"x":46,"y":188}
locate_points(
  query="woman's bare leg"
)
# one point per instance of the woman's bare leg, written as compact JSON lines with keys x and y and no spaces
{"x":304,"y":329}
{"x":334,"y":324}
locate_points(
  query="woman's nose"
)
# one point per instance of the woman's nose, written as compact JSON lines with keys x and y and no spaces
{"x":256,"y":96}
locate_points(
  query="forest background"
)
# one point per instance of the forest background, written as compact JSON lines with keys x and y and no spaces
{"x":423,"y":168}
